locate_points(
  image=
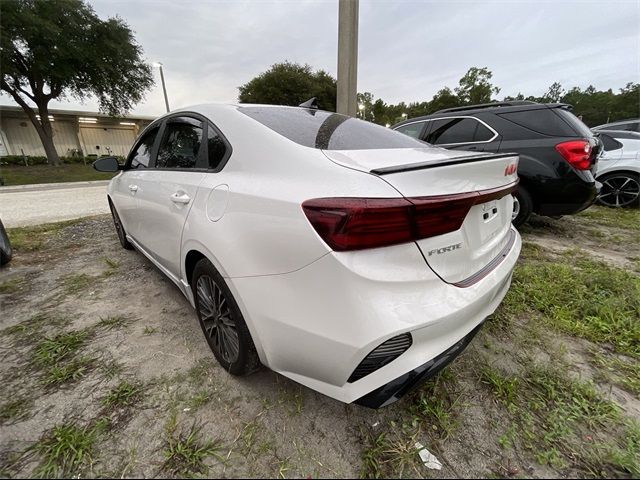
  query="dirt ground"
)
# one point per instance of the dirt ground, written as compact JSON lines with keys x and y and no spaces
{"x":129,"y":330}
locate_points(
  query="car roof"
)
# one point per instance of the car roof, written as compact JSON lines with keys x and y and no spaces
{"x":621,"y":134}
{"x":469,"y":110}
{"x":618,"y":122}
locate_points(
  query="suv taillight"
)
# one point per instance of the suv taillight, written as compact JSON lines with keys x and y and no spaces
{"x":577,"y":153}
{"x":357,"y":223}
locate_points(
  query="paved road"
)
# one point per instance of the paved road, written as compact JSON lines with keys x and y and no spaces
{"x":35,"y":204}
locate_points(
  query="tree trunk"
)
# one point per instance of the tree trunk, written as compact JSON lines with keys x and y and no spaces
{"x":46,"y":135}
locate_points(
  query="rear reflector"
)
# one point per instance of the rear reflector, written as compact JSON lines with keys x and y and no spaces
{"x":346,"y":223}
{"x":577,"y":153}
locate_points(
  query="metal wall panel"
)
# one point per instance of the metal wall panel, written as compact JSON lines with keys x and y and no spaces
{"x":98,"y":140}
{"x":22,"y":137}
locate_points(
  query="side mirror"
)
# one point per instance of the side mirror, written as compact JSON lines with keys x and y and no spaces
{"x":107,"y":164}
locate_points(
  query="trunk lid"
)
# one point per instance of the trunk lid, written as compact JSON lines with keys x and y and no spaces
{"x":465,"y":255}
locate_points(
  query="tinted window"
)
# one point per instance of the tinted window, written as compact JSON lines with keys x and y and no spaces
{"x":141,"y":155}
{"x":180,"y":144}
{"x":216,"y":147}
{"x":411,"y":129}
{"x":624,"y":126}
{"x":453,"y":130}
{"x":609,"y":143}
{"x":547,"y":121}
{"x":329,"y":131}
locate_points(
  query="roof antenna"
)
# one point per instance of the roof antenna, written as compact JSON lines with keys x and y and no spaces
{"x":311,"y":103}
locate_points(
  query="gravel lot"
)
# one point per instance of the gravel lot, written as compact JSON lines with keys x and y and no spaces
{"x":105,"y":372}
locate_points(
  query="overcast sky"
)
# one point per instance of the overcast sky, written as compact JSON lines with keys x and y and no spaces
{"x":408,"y":50}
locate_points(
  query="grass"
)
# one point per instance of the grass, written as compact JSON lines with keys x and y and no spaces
{"x":30,"y":239}
{"x":113,"y":321}
{"x":627,"y":218}
{"x":53,"y":350}
{"x":125,"y":394}
{"x":390,"y":456}
{"x":77,"y":282}
{"x":20,"y":175}
{"x":624,"y":373}
{"x":434,"y":405}
{"x":112,"y":267}
{"x":34,"y":327}
{"x":12,"y":285}
{"x":185,"y":454}
{"x":577,"y":295}
{"x":69,"y":372}
{"x":16,"y":409}
{"x":66,"y":450}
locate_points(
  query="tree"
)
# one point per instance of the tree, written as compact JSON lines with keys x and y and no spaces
{"x":475,"y":86}
{"x":61,"y":49}
{"x":554,"y":94}
{"x":366,"y":100}
{"x":290,"y":84}
{"x":443,"y":99}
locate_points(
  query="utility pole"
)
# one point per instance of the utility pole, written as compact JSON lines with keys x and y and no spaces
{"x":164,"y":88}
{"x":347,"y":57}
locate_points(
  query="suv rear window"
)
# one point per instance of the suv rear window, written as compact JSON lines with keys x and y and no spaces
{"x":555,"y":122}
{"x":327,"y":130}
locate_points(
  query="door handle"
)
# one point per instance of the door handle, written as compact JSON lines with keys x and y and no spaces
{"x":133,"y":188}
{"x":180,"y":198}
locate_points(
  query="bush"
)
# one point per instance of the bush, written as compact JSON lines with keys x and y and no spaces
{"x":19,"y":160}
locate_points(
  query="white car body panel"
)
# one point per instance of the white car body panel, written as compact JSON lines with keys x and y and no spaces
{"x":625,"y":158}
{"x":314,"y":313}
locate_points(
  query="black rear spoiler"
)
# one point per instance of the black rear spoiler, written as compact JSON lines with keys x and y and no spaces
{"x":439,"y":163}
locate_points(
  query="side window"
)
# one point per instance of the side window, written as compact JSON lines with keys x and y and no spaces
{"x":610,"y":143}
{"x":453,"y":130}
{"x":216,"y":147}
{"x":180,"y":143}
{"x":140,"y":157}
{"x":412,"y":129}
{"x":483,"y":134}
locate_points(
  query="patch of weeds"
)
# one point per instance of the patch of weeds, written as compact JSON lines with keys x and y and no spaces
{"x":75,"y":283}
{"x":52,"y":350}
{"x":186,"y":453}
{"x":125,"y":394}
{"x":623,"y":456}
{"x":435,"y":404}
{"x":248,"y":436}
{"x":504,"y":387}
{"x":67,"y":449}
{"x":29,"y":239}
{"x":111,"y":369}
{"x":69,"y":371}
{"x":292,"y":397}
{"x":12,"y":285}
{"x":625,"y":374}
{"x":389,"y":457}
{"x":202,"y":397}
{"x":113,"y":321}
{"x":35,"y":326}
{"x":579,"y":296}
{"x":283,"y":467}
{"x":15,"y":410}
{"x":626,"y":218}
{"x":149,"y":330}
{"x":112,"y":267}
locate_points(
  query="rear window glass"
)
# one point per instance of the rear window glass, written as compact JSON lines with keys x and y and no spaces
{"x":327,"y":130}
{"x":555,"y":122}
{"x":411,"y":129}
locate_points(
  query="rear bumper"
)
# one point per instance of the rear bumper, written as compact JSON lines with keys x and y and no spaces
{"x":575,"y":197}
{"x":317,"y":324}
{"x":396,"y":389}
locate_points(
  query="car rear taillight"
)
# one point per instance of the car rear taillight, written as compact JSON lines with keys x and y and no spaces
{"x":357,"y":223}
{"x":577,"y":153}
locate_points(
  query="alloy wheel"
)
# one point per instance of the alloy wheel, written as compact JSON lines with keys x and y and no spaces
{"x":217,"y":319}
{"x":516,"y":208}
{"x":619,"y":191}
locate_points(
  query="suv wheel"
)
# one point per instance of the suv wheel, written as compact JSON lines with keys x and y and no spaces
{"x":620,"y":190}
{"x":222,"y":322}
{"x":522,"y":207}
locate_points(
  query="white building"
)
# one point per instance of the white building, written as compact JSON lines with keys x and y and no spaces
{"x":73,"y":132}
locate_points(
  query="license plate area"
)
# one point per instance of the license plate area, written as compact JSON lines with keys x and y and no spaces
{"x":489,"y":211}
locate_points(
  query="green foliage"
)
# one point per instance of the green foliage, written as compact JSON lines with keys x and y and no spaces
{"x":289,"y":83}
{"x":475,"y":86}
{"x":186,"y":453}
{"x":61,"y":49}
{"x":125,"y":394}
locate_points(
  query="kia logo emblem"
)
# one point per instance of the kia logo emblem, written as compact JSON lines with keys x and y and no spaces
{"x":510,"y":169}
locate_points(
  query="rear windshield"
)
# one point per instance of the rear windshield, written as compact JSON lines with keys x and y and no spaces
{"x":328,"y":131}
{"x":555,"y":122}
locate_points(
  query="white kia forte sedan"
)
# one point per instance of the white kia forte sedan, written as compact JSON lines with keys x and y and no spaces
{"x":348,"y":257}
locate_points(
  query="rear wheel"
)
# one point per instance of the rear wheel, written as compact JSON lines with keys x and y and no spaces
{"x":620,"y":190}
{"x":222,"y":322}
{"x":122,"y":236}
{"x":522,"y":207}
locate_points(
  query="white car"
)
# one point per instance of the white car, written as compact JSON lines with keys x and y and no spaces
{"x":619,"y":169}
{"x":346,"y":256}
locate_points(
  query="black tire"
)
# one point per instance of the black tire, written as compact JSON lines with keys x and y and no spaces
{"x":620,"y":190}
{"x":122,"y":235}
{"x":221,"y":321}
{"x":523,"y":205}
{"x":5,"y":246}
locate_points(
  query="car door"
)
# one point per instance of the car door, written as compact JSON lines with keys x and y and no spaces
{"x":168,"y":190}
{"x":459,"y":133}
{"x":125,"y":185}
